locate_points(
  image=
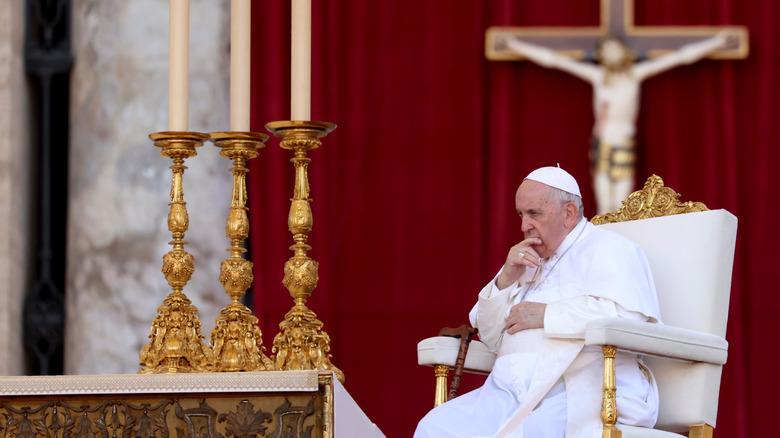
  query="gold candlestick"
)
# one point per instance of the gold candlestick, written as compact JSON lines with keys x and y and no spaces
{"x":301,"y":345}
{"x":176,"y":344}
{"x":236,"y":339}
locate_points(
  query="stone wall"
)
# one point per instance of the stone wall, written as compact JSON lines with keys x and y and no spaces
{"x":120,"y":184}
{"x":16,"y":179}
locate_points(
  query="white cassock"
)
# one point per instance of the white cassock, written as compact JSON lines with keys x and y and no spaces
{"x":545,"y":383}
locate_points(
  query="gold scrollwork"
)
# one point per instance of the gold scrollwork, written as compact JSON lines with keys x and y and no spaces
{"x":199,"y":422}
{"x":291,"y":418}
{"x":108,"y":418}
{"x":653,"y":200}
{"x":269,"y":415}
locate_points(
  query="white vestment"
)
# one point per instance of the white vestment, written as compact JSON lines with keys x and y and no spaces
{"x":544,"y":380}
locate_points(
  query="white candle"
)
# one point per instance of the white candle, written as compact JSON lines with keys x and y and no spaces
{"x":240,"y":60}
{"x":178,"y":64}
{"x":300,"y":80}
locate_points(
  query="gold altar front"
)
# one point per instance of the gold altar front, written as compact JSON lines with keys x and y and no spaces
{"x":213,"y":405}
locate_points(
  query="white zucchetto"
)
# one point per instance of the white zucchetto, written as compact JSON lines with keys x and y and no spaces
{"x":556,"y":177}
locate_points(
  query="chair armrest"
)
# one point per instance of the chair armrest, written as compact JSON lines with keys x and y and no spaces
{"x":657,"y":340}
{"x":443,"y":350}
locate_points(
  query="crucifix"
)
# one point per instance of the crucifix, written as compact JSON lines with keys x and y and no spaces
{"x":626,"y":55}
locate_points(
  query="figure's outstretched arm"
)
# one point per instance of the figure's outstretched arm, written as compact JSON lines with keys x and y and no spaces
{"x":549,"y":58}
{"x":687,"y":54}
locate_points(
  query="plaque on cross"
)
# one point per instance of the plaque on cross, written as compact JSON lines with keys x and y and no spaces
{"x":617,"y":18}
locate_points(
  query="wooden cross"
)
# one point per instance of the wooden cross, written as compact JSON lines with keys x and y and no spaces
{"x":617,"y":17}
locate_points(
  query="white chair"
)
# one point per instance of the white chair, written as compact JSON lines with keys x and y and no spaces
{"x":691,"y":256}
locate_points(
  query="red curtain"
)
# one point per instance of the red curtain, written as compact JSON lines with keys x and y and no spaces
{"x":413,"y":193}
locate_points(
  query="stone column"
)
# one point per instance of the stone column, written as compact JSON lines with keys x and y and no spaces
{"x":119,"y":182}
{"x":16,"y":181}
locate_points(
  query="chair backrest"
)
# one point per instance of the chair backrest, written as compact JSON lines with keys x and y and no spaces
{"x":691,"y":256}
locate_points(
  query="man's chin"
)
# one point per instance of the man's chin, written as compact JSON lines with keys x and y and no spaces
{"x":541,"y":250}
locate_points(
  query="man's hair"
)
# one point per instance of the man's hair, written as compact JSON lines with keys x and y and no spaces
{"x":622,"y":67}
{"x":565,"y":197}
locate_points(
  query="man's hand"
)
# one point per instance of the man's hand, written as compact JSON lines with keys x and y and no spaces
{"x":525,"y":315}
{"x":520,"y":256}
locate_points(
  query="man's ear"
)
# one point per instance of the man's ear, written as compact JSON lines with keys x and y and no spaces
{"x":571,"y":213}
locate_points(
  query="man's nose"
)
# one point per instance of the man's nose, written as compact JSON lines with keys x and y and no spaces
{"x":526,"y":225}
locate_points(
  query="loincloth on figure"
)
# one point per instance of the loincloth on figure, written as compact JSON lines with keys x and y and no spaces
{"x":616,"y":160}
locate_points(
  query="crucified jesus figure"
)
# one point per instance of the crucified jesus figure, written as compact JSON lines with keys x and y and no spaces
{"x":616,"y":83}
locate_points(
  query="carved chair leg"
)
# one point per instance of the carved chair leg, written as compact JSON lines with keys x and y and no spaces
{"x":441,"y":372}
{"x":704,"y":431}
{"x":609,"y":412}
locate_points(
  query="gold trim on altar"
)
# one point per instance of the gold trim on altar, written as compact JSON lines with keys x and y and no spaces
{"x":206,"y":405}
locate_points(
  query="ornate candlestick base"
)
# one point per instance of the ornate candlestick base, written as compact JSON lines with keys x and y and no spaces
{"x":301,"y":345}
{"x":176,"y":344}
{"x":236,"y":339}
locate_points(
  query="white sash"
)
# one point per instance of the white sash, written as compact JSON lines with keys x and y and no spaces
{"x":554,"y":358}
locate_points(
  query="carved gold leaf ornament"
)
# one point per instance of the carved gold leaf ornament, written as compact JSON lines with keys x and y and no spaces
{"x":653,"y":200}
{"x":245,"y":422}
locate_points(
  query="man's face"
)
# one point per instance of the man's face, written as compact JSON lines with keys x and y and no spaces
{"x":543,"y":216}
{"x":613,"y":52}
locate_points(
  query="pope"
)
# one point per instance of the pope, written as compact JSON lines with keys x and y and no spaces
{"x":563,"y":274}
